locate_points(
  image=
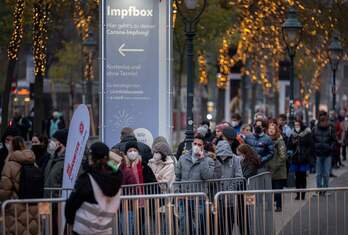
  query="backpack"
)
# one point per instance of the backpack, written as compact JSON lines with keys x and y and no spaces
{"x":31,"y":184}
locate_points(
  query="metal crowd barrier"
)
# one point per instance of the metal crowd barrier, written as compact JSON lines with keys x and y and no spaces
{"x":210,"y":187}
{"x":32,"y":216}
{"x":322,"y":211}
{"x":145,"y":189}
{"x":263,"y":206}
{"x":163,"y":214}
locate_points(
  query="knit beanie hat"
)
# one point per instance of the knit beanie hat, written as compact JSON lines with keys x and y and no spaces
{"x":223,"y":149}
{"x":131,"y":144}
{"x":99,"y":150}
{"x":61,"y":136}
{"x":229,"y":132}
{"x":162,"y":148}
{"x":158,"y":140}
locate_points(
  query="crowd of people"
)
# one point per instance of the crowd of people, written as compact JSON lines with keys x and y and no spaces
{"x":231,"y":150}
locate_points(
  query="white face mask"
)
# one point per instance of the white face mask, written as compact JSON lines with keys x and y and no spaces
{"x":297,"y":129}
{"x":52,"y":147}
{"x":9,"y":147}
{"x":157,"y":156}
{"x":234,"y":123}
{"x":196,"y":149}
{"x":132,"y":155}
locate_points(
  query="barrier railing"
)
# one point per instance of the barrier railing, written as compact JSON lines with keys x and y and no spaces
{"x":32,"y":216}
{"x":210,"y":187}
{"x":323,"y":211}
{"x":163,"y":214}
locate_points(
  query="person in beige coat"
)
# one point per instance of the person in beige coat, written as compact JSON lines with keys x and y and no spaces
{"x":9,"y":186}
{"x":162,"y":163}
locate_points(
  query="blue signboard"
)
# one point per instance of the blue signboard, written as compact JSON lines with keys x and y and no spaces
{"x":136,"y":69}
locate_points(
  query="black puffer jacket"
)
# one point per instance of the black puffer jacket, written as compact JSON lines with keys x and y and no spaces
{"x":144,"y":150}
{"x":324,"y":140}
{"x":301,"y":146}
{"x":110,"y":183}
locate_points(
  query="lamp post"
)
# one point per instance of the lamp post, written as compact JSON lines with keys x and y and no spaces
{"x":88,"y":45}
{"x":190,"y":11}
{"x":291,"y":32}
{"x":335,"y":55}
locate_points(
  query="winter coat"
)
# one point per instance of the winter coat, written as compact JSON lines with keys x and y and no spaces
{"x":301,"y":147}
{"x":227,"y":164}
{"x":229,"y":167}
{"x":277,"y":165}
{"x":249,"y":168}
{"x":144,"y":150}
{"x":109,"y":182}
{"x":9,"y":186}
{"x":3,"y":150}
{"x":324,"y":141}
{"x":128,"y":176}
{"x":201,"y":169}
{"x":262,"y":144}
{"x":163,"y":170}
{"x":54,"y":174}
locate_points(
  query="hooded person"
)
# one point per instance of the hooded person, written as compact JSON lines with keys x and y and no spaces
{"x":6,"y":140}
{"x":230,"y":163}
{"x":53,"y":174}
{"x":96,"y":197}
{"x":162,"y":163}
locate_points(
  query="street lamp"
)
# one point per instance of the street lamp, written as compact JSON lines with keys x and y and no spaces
{"x":190,"y":11}
{"x":335,"y":55}
{"x":89,"y":45}
{"x":291,"y":32}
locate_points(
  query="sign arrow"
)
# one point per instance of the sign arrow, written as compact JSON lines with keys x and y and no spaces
{"x":122,"y":50}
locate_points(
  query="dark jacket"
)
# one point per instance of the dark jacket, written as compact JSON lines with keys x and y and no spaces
{"x":144,"y":150}
{"x":54,"y":173}
{"x":3,"y":150}
{"x":149,"y":176}
{"x":249,"y":168}
{"x":262,"y":144}
{"x":324,"y":141}
{"x":301,"y":147}
{"x":277,"y":165}
{"x":109,"y":182}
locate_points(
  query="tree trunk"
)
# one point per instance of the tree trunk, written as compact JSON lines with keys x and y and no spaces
{"x":39,"y":105}
{"x":6,"y":94}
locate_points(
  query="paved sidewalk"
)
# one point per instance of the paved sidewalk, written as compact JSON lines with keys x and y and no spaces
{"x":298,"y":209}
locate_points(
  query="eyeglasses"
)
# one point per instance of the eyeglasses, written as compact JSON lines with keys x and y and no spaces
{"x":197,"y":144}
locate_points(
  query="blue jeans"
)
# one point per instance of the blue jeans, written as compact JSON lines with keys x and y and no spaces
{"x":323,"y":171}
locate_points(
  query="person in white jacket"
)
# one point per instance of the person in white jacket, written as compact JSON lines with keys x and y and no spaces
{"x":163,"y":163}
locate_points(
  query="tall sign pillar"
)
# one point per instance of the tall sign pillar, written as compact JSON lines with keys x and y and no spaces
{"x":135,"y":69}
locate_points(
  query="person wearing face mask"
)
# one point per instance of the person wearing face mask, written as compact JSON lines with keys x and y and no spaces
{"x":55,"y":123}
{"x":301,"y":147}
{"x":195,"y":164}
{"x":261,"y":142}
{"x":236,"y":122}
{"x":142,"y":172}
{"x":6,"y":145}
{"x":162,"y":163}
{"x":324,"y":142}
{"x":39,"y":147}
{"x":277,"y":165}
{"x":55,"y":166}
